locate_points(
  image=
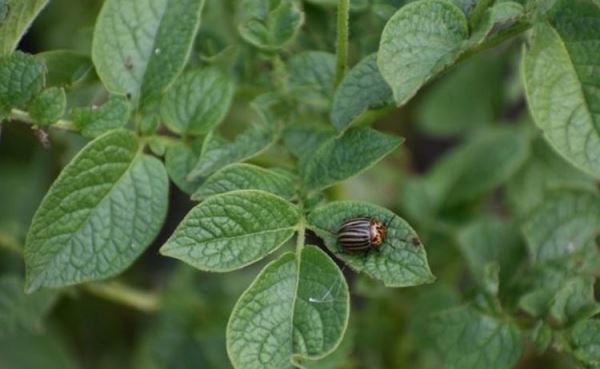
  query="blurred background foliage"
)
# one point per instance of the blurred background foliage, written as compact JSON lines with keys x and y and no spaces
{"x":471,"y":166}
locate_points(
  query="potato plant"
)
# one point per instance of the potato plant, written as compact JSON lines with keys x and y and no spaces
{"x":174,"y":175}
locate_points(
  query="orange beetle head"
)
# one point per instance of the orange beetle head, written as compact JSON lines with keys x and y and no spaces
{"x":378,"y":233}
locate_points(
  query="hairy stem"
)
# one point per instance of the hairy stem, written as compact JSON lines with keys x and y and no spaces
{"x":342,"y":40}
{"x":125,"y":295}
{"x":497,"y":39}
{"x":24,"y":117}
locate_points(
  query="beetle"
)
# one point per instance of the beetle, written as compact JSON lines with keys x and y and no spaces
{"x":365,"y":234}
{"x":361,"y":234}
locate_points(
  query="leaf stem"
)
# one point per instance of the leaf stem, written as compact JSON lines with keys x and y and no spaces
{"x":300,"y":237}
{"x":24,"y":117}
{"x":343,"y":16}
{"x":125,"y":295}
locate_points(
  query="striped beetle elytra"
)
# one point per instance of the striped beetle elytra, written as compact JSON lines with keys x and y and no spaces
{"x":361,"y":234}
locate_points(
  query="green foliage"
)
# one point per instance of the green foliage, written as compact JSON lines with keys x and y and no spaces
{"x":74,"y":236}
{"x":561,"y":85}
{"x":280,"y":119}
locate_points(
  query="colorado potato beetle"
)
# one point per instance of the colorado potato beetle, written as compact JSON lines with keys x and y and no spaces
{"x":361,"y":234}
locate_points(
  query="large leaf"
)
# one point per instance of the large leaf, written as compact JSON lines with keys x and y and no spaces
{"x":295,"y":309}
{"x":563,"y":224}
{"x":311,"y":74}
{"x":561,"y":71}
{"x":362,"y":89}
{"x":103,"y":210}
{"x":19,"y":15}
{"x":180,"y":159}
{"x":339,"y":158}
{"x":418,"y":42}
{"x":19,"y":311}
{"x":401,"y":261}
{"x":468,"y":339}
{"x":232,"y":230}
{"x":197,"y":102}
{"x":140,"y":47}
{"x":22,"y":77}
{"x":242,"y":176}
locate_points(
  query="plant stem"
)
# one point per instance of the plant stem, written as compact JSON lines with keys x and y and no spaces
{"x":23,"y":116}
{"x":125,"y":295}
{"x":496,"y":40}
{"x":300,"y":237}
{"x":343,"y":16}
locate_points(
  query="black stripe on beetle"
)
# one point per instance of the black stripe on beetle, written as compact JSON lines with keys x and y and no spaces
{"x":361,"y":234}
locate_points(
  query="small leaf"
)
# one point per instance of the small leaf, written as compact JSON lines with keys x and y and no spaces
{"x":574,"y":301}
{"x":301,"y":141}
{"x":19,"y":311}
{"x":270,"y":24}
{"x":402,"y":260}
{"x":294,"y":310}
{"x":65,"y":67}
{"x":585,"y":338}
{"x":544,"y":171}
{"x":94,"y":121}
{"x":562,"y":224}
{"x":179,"y":160}
{"x":218,"y":152}
{"x":19,"y":14}
{"x":500,"y":15}
{"x":197,"y":102}
{"x":22,"y":77}
{"x":541,"y":336}
{"x":49,"y":106}
{"x":102,"y":211}
{"x":241,"y":176}
{"x":561,"y":82}
{"x":468,"y":339}
{"x":362,"y":89}
{"x":418,"y":42}
{"x":140,"y":48}
{"x":311,"y":75}
{"x":340,"y":158}
{"x":232,"y":230}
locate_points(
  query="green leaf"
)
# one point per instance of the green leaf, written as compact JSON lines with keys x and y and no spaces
{"x":22,"y":77}
{"x":232,"y":230}
{"x":270,"y":24}
{"x":561,"y":81}
{"x":139,"y":48}
{"x":339,"y":158}
{"x":94,"y":121}
{"x":500,"y":15}
{"x":562,"y":225}
{"x":49,"y":106}
{"x":544,"y":171}
{"x":362,"y":89}
{"x":418,"y":42}
{"x":294,"y":310}
{"x":197,"y":102}
{"x":541,"y":336}
{"x":402,"y":260}
{"x":241,"y":176}
{"x":311,"y":74}
{"x":491,"y":240}
{"x":13,"y":25}
{"x":585,"y":341}
{"x":574,"y":301}
{"x":301,"y":141}
{"x":19,"y":311}
{"x":218,"y":152}
{"x":355,"y":5}
{"x":449,"y":108}
{"x":65,"y":67}
{"x":179,"y":160}
{"x":100,"y":214}
{"x":468,"y":339}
